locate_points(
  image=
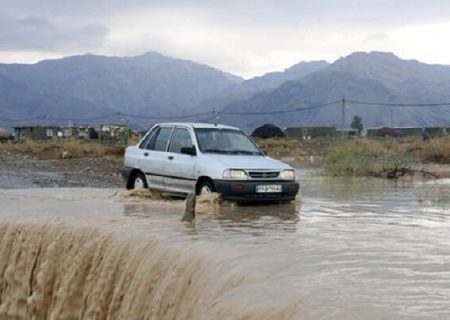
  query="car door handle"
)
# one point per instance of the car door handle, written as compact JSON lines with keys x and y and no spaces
{"x":145,"y":154}
{"x":170,"y":157}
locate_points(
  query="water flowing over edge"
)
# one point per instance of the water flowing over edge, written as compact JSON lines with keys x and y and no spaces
{"x":71,"y":272}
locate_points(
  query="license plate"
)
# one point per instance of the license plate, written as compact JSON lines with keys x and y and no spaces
{"x":268,"y":188}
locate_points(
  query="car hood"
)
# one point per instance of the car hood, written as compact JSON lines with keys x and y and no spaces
{"x":248,"y":162}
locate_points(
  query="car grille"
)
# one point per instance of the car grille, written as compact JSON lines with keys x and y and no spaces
{"x":263,"y":174}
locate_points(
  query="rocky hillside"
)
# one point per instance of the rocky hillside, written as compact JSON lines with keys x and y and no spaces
{"x":371,"y":77}
{"x":89,"y":86}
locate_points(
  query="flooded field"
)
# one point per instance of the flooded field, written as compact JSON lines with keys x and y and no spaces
{"x":356,"y":249}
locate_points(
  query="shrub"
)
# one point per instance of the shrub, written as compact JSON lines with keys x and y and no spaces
{"x":361,"y":157}
{"x":435,"y":150}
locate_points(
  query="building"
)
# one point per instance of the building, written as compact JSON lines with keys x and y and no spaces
{"x":54,"y":132}
{"x":35,"y":132}
{"x":434,"y":132}
{"x":307,"y":133}
{"x":402,"y":132}
{"x":5,"y":135}
{"x":78,"y":132}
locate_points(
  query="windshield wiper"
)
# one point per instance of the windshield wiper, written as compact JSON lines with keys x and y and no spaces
{"x":217,"y":151}
{"x":247,"y":152}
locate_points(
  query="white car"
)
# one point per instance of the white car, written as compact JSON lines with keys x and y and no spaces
{"x":183,"y":158}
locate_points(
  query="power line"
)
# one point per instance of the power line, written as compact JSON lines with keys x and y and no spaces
{"x":207,"y":114}
{"x":412,"y":105}
{"x":106,"y":116}
{"x":283,"y":111}
{"x":195,"y":115}
{"x":43,"y":118}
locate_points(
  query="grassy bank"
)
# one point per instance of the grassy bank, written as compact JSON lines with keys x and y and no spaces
{"x":384,"y":157}
{"x":388,"y":157}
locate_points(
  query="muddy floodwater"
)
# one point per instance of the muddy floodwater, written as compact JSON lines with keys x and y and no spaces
{"x":356,"y":249}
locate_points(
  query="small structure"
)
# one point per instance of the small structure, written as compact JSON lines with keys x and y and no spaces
{"x":307,"y":133}
{"x":268,"y":131}
{"x":36,"y":132}
{"x":5,"y":135}
{"x":409,"y":131}
{"x":54,"y":132}
{"x":402,"y":132}
{"x":114,"y":134}
{"x":434,"y":132}
{"x":78,"y":132}
{"x":347,"y":132}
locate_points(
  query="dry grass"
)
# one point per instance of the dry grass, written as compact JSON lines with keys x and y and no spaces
{"x":434,"y":150}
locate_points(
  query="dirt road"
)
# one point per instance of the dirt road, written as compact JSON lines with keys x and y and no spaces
{"x":19,"y":170}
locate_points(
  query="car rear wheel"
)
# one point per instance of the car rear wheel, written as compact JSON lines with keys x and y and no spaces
{"x":139,"y":181}
{"x":205,"y":187}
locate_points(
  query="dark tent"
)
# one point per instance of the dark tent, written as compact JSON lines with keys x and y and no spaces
{"x":268,"y":131}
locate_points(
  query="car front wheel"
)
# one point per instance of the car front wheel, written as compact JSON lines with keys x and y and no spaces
{"x":139,"y":181}
{"x":205,"y":187}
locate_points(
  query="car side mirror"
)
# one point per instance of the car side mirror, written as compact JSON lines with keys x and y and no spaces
{"x":188,"y":150}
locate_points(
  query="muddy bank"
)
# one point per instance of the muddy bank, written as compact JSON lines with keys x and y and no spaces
{"x":18,"y":170}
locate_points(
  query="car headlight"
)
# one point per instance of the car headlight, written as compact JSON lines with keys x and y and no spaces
{"x":235,"y":174}
{"x":288,"y":174}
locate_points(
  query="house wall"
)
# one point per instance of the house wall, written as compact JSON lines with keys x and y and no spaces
{"x":43,"y":133}
{"x":35,"y":133}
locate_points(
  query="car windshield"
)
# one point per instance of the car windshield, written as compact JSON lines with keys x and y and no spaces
{"x":225,"y":141}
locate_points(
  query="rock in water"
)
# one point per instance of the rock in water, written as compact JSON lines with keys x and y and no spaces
{"x":189,"y":212}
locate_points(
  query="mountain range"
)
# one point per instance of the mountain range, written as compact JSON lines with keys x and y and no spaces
{"x":149,"y":87}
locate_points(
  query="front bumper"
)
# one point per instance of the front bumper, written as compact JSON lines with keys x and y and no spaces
{"x":245,"y":190}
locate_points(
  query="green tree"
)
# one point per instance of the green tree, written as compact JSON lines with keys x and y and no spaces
{"x":357,"y":124}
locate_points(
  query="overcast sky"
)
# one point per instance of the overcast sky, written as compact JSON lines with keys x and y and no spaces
{"x":245,"y":37}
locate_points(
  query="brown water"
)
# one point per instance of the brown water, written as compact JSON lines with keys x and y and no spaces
{"x":357,"y":249}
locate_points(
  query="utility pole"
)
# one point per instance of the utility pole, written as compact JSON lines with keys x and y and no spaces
{"x":215,"y":116}
{"x":343,"y":116}
{"x":392,"y":117}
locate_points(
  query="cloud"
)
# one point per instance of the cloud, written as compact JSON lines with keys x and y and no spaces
{"x":247,"y":37}
{"x":40,"y":34}
{"x":376,"y":39}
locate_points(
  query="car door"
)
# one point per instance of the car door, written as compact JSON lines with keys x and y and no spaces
{"x":155,"y":154}
{"x":179,"y":170}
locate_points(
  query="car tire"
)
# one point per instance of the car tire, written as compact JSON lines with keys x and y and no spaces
{"x":138,"y":181}
{"x":205,"y":187}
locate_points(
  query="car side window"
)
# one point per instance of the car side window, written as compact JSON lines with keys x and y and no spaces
{"x":159,"y":140}
{"x":181,"y":138}
{"x":144,"y":142}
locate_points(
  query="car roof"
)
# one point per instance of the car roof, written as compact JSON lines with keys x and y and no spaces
{"x":197,"y":125}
